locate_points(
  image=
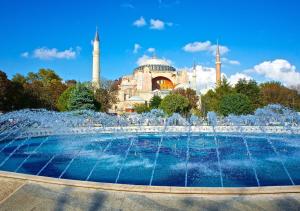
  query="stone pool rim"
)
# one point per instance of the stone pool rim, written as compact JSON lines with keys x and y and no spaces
{"x":154,"y":189}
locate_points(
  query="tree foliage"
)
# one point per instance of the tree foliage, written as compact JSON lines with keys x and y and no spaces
{"x":81,"y":98}
{"x":141,"y":108}
{"x":155,"y":101}
{"x":190,"y":94}
{"x":275,"y":92}
{"x":106,"y":96}
{"x":175,"y":103}
{"x":251,"y":90}
{"x":64,"y":99}
{"x":236,"y":103}
{"x":211,"y":100}
{"x":5,"y":86}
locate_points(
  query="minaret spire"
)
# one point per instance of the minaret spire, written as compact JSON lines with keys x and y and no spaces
{"x":218,"y":64}
{"x":96,"y":62}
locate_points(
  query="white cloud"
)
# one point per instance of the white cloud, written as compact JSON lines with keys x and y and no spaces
{"x":127,"y":5}
{"x":142,"y":59}
{"x":204,"y":46}
{"x":279,"y":70}
{"x":229,"y":61}
{"x":53,"y":53}
{"x":205,"y":78}
{"x":157,"y":24}
{"x":25,"y":54}
{"x":234,"y":62}
{"x":140,"y":22}
{"x":136,"y":48}
{"x":151,"y":50}
{"x":233,"y":79}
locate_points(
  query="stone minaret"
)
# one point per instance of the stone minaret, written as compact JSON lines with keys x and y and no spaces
{"x":194,"y":78}
{"x":218,"y":66}
{"x":96,"y":62}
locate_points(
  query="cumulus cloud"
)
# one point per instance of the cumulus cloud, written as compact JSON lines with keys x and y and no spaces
{"x":140,"y":22}
{"x":53,"y":53}
{"x":136,"y":48}
{"x":142,"y":59}
{"x":278,"y":70}
{"x":25,"y":54}
{"x":229,"y":61}
{"x":45,"y":53}
{"x":204,"y":46}
{"x":206,"y":77}
{"x":233,"y":79}
{"x":151,"y":50}
{"x":157,"y":24}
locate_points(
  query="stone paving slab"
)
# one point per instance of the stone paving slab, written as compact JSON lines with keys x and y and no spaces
{"x":8,"y":186}
{"x":43,"y":196}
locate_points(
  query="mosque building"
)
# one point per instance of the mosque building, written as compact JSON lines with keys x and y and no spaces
{"x":154,"y":76}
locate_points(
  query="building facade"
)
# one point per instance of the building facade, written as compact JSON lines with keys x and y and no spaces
{"x":153,"y":77}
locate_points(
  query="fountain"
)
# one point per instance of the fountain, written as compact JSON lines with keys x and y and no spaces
{"x":152,"y":149}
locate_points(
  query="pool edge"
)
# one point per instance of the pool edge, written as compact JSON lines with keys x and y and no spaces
{"x":154,"y":189}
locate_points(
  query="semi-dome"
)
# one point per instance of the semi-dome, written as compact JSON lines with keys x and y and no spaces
{"x":156,"y":64}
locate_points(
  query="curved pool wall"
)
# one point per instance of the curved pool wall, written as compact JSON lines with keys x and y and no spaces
{"x":199,"y":157}
{"x":34,"y":132}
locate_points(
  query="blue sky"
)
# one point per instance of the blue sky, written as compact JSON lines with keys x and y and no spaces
{"x":261,"y":37}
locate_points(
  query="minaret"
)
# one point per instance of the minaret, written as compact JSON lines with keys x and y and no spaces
{"x":218,"y":65}
{"x":96,"y":62}
{"x":194,"y":79}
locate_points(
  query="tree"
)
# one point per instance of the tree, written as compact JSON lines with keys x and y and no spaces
{"x":237,"y":104}
{"x":175,"y":103}
{"x":155,"y":101}
{"x":64,"y":99}
{"x":251,"y":90}
{"x":81,"y":98}
{"x":5,"y":86}
{"x":106,"y":96}
{"x":275,"y":93}
{"x":141,"y":108}
{"x":211,"y":100}
{"x":190,"y":94}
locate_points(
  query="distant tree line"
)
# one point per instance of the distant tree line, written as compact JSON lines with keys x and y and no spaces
{"x":45,"y":89}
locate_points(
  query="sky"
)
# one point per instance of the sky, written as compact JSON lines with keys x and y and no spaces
{"x":259,"y":39}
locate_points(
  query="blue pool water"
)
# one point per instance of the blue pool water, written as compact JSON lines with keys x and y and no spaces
{"x":193,"y":160}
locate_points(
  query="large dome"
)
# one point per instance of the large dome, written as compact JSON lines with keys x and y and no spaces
{"x":155,"y":61}
{"x":156,"y":64}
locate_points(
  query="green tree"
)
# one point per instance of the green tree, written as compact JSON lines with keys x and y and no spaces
{"x":237,"y":104}
{"x":5,"y":86}
{"x":190,"y":94}
{"x":64,"y":99}
{"x":211,"y":100}
{"x":155,"y":101}
{"x":81,"y":98}
{"x":141,"y":108}
{"x":251,"y":90}
{"x":175,"y":103}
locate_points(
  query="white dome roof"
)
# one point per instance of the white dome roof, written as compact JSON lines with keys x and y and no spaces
{"x":155,"y":61}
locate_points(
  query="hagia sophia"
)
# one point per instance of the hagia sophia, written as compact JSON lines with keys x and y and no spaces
{"x":154,"y":76}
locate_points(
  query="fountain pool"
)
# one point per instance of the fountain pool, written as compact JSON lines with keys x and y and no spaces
{"x":188,"y":159}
